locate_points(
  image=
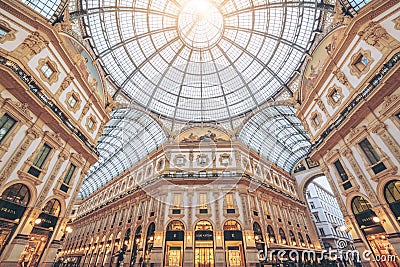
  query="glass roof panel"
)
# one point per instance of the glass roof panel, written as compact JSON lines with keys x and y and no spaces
{"x":357,"y":4}
{"x":128,"y":137}
{"x":45,"y":7}
{"x":200,"y":59}
{"x":277,"y":134}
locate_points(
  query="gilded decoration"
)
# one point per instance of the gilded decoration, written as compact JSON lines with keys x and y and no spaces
{"x":18,"y":111}
{"x":64,"y":85}
{"x":180,"y":160}
{"x":51,"y":76}
{"x":32,"y":45}
{"x":319,"y":60}
{"x":335,"y":96}
{"x":396,"y":22}
{"x":203,"y":160}
{"x":341,"y":77}
{"x":316,"y":120}
{"x":225,"y":159}
{"x":361,"y":177}
{"x":375,"y":35}
{"x":202,"y":134}
{"x":321,"y":105}
{"x":73,"y":101}
{"x":31,"y":134}
{"x":91,"y":123}
{"x":62,"y":157}
{"x":10,"y":35}
{"x":360,"y":62}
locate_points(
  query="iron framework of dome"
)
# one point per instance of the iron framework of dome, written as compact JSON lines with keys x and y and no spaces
{"x":277,"y":134}
{"x":48,"y":9}
{"x":128,"y":137}
{"x":200,"y":60}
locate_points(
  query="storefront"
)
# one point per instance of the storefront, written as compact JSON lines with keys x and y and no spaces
{"x":204,"y":244}
{"x":41,"y":233}
{"x":13,"y":204}
{"x":149,"y":244}
{"x":136,"y":245}
{"x":234,"y":248}
{"x":392,"y":196}
{"x":259,"y":239}
{"x":373,"y":231}
{"x":174,"y":243}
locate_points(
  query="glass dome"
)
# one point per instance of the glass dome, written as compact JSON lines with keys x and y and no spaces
{"x":128,"y":137}
{"x":277,"y":134}
{"x":200,"y":60}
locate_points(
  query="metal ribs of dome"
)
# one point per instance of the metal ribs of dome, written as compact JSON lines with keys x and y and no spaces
{"x":127,"y":138}
{"x":277,"y":134}
{"x":158,"y":62}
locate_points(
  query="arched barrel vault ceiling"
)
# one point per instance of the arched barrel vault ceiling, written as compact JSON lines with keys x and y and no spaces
{"x":277,"y":134}
{"x":200,"y":60}
{"x":128,"y":137}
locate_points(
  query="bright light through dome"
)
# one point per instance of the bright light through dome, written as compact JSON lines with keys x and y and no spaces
{"x":202,"y":6}
{"x":200,"y":24}
{"x":200,"y":60}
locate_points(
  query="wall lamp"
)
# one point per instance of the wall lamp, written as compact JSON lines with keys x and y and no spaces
{"x":35,"y":222}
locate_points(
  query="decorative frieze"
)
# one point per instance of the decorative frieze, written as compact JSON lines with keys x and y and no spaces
{"x":10,"y":32}
{"x":341,"y":77}
{"x":31,"y":46}
{"x":64,"y":85}
{"x":374,"y":34}
{"x":321,"y":105}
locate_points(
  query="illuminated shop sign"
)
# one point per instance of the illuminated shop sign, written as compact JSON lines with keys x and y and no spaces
{"x":11,"y":211}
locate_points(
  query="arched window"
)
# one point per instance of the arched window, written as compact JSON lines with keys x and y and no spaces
{"x":175,"y":226}
{"x":203,"y":226}
{"x":271,"y":234}
{"x":232,"y":225}
{"x":17,"y":193}
{"x":282,"y":236}
{"x":392,"y":196}
{"x":149,"y":242}
{"x":135,"y":247}
{"x":301,"y":239}
{"x":360,"y":204}
{"x":308,"y":239}
{"x":174,"y":248}
{"x":258,"y":235}
{"x":52,"y":207}
{"x":204,"y":244}
{"x":292,"y":238}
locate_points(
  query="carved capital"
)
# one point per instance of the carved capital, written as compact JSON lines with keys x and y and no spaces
{"x":33,"y":133}
{"x":341,"y":77}
{"x":372,"y":33}
{"x":65,"y":84}
{"x":379,"y":128}
{"x":321,"y":105}
{"x":32,"y":45}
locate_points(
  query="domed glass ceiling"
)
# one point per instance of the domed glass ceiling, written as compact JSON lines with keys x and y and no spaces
{"x":277,"y":134}
{"x":200,"y":60}
{"x":128,"y":137}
